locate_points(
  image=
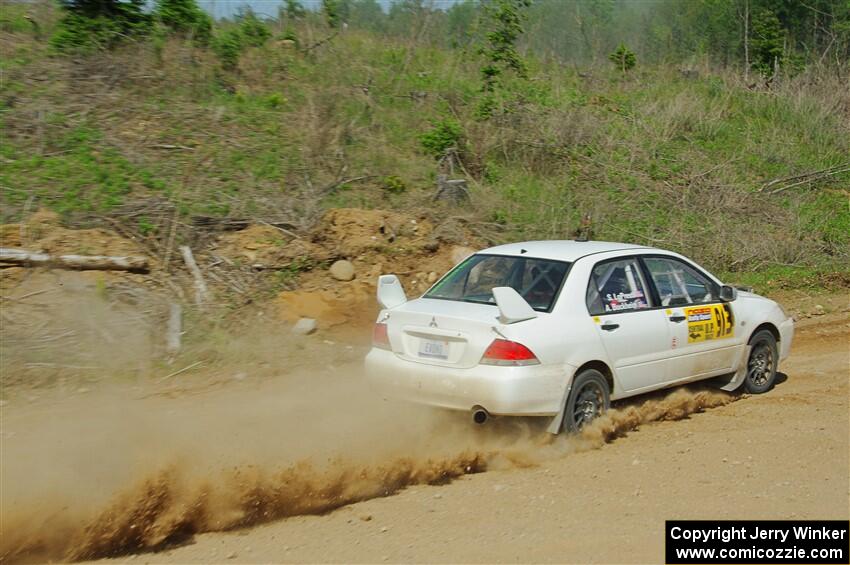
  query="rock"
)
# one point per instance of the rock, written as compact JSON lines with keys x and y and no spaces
{"x":459,"y":253}
{"x":819,"y":310}
{"x":384,"y":529}
{"x":304,"y":326}
{"x":432,"y":277}
{"x":342,"y":270}
{"x":231,"y":555}
{"x":365,"y":517}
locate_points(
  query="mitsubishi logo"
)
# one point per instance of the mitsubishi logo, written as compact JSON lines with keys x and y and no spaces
{"x":433,"y":323}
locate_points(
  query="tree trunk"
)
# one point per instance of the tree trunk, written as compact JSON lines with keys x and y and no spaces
{"x":452,"y":190}
{"x":746,"y":41}
{"x":26,"y":258}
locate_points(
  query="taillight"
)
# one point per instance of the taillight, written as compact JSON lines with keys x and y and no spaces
{"x":380,"y":338}
{"x":508,"y":353}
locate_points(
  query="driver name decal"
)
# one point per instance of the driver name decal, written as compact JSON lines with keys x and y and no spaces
{"x":709,"y":322}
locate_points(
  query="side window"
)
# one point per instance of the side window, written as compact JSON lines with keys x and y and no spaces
{"x":679,"y":284}
{"x":616,"y":286}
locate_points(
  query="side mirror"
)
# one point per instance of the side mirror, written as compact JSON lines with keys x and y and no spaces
{"x":512,"y":306}
{"x":728,"y":293}
{"x":390,"y":292}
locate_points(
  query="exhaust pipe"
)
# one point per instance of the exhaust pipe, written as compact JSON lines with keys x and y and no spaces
{"x":479,"y":415}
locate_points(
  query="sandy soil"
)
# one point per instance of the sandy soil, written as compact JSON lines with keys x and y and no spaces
{"x":309,"y":466}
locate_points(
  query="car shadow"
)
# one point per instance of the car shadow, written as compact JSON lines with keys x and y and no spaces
{"x":530,"y":426}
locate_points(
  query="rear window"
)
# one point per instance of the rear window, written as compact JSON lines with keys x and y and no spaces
{"x":536,"y":280}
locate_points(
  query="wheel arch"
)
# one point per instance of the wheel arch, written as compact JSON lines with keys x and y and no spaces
{"x":603,"y":368}
{"x":769,"y":327}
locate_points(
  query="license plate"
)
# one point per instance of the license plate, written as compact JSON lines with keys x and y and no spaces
{"x":434,"y":349}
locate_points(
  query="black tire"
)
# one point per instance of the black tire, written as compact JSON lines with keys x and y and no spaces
{"x":762,"y":363}
{"x":589,"y":398}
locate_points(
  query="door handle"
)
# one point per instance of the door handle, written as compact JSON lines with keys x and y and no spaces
{"x":676,"y":319}
{"x":609,"y":327}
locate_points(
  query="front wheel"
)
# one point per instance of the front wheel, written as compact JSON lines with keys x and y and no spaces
{"x":762,"y":363}
{"x":588,"y":399}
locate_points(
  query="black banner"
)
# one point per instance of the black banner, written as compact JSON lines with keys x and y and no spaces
{"x":757,"y":541}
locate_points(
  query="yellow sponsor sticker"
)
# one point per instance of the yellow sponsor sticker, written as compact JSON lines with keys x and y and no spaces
{"x":709,"y":322}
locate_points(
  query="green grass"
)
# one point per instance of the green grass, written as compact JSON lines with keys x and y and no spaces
{"x":653,"y":158}
{"x":79,"y":174}
{"x":771,"y":279}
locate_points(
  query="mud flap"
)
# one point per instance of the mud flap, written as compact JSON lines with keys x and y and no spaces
{"x":732,"y":384}
{"x":558,"y":420}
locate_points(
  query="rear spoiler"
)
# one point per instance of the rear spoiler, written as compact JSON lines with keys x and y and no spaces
{"x":512,"y":307}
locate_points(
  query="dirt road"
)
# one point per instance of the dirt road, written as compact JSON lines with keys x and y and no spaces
{"x":322,"y":471}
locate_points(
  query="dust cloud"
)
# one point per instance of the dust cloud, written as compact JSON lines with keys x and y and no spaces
{"x":131,"y":472}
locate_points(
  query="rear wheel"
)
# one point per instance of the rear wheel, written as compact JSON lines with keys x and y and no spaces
{"x":588,"y":399}
{"x":762,"y":363}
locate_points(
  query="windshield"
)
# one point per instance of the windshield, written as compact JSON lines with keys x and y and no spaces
{"x":536,"y":280}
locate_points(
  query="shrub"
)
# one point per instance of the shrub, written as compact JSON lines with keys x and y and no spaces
{"x":393,"y":184}
{"x":250,"y":32}
{"x":443,"y":135}
{"x":228,"y":45}
{"x":254,"y":32}
{"x":623,"y":57}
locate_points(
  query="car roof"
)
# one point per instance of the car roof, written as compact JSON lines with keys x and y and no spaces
{"x":559,"y":250}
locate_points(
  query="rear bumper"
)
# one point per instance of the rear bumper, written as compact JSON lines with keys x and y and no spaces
{"x":786,"y":336}
{"x":535,"y":390}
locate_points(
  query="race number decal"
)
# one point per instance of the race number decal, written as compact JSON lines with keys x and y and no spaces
{"x":709,"y":322}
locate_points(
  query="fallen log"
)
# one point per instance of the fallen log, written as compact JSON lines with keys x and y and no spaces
{"x":24,"y":258}
{"x":201,"y":292}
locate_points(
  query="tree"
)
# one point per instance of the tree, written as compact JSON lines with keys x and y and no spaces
{"x":336,"y":13}
{"x":185,"y":17}
{"x":368,"y":14}
{"x":230,"y":42}
{"x":505,"y":20}
{"x":767,"y":42}
{"x":460,"y":18}
{"x":623,"y":57}
{"x":99,"y":24}
{"x":405,"y":16}
{"x":293,"y":10}
{"x":253,"y":31}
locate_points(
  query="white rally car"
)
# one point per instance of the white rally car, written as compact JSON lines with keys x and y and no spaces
{"x":561,"y":328}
